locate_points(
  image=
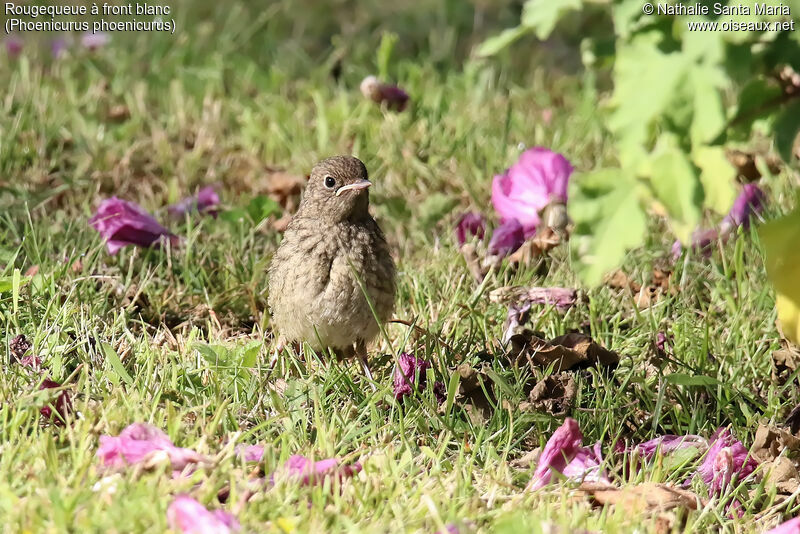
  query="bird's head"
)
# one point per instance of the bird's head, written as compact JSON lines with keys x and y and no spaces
{"x":337,"y":189}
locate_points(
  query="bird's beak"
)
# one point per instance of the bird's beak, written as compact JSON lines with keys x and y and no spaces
{"x":361,"y":184}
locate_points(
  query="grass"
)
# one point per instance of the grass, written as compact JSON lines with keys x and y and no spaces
{"x":243,"y":89}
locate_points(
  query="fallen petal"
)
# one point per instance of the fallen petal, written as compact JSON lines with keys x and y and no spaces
{"x":379,"y":92}
{"x":507,"y":238}
{"x":791,"y":526}
{"x":727,"y":460}
{"x":140,"y":441}
{"x":205,"y":201}
{"x":308,"y":472}
{"x":470,"y":225}
{"x":409,"y":370}
{"x":561,"y":449}
{"x":93,"y":41}
{"x":121,"y":223}
{"x":187,"y":516}
{"x":669,"y":443}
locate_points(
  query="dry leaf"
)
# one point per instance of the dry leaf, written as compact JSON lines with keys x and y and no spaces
{"x":537,"y":246}
{"x":527,"y":460}
{"x":645,"y":497}
{"x":118,"y":113}
{"x":566,"y":352}
{"x":771,"y":442}
{"x":32,"y":270}
{"x":554,"y":394}
{"x":285,"y":188}
{"x":785,"y":362}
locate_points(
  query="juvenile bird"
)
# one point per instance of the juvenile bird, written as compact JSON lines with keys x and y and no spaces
{"x":331,"y":247}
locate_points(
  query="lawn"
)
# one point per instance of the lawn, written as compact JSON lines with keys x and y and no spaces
{"x":247,"y":96}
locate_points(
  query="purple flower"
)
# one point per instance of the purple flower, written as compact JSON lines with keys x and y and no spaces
{"x":469,"y":225}
{"x":140,"y":441}
{"x":791,"y":526}
{"x":205,"y":201}
{"x":669,"y":443}
{"x":123,"y":223}
{"x":62,"y":404}
{"x":377,"y":91}
{"x":661,"y":341}
{"x":58,"y":46}
{"x":187,"y":516}
{"x":14,"y":46}
{"x":726,"y":458}
{"x":93,"y":41}
{"x":507,"y":238}
{"x":250,"y":453}
{"x":407,"y":370}
{"x":538,"y":178}
{"x":564,"y":454}
{"x":560,"y":297}
{"x":750,"y":202}
{"x":308,"y":472}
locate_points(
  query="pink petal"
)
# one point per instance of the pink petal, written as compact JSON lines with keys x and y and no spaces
{"x":791,"y":526}
{"x":538,"y":178}
{"x":204,"y":202}
{"x":137,"y":442}
{"x":93,"y":41}
{"x":560,"y":450}
{"x":469,"y":225}
{"x":121,"y":223}
{"x":668,"y":443}
{"x":726,"y":458}
{"x":187,"y":516}
{"x":507,"y":238}
{"x":250,"y":453}
{"x":406,"y":372}
{"x":308,"y":473}
{"x":748,"y":204}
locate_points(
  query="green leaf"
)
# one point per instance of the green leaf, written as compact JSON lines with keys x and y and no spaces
{"x":782,"y":260}
{"x":235,"y":216}
{"x":493,"y":45}
{"x":645,"y":82}
{"x":753,"y":96}
{"x":676,"y":185}
{"x":543,"y":15}
{"x":709,"y":114}
{"x":717,"y":175}
{"x":113,"y":360}
{"x":786,"y":128}
{"x":250,"y":354}
{"x":262,"y":207}
{"x":608,"y":221}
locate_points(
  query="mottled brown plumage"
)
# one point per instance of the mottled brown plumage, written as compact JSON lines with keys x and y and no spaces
{"x":331,"y":242}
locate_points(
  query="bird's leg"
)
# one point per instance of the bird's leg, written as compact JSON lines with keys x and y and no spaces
{"x":361,"y":354}
{"x":273,"y":361}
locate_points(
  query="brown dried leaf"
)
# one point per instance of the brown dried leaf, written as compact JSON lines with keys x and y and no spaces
{"x":785,"y":362}
{"x":471,"y":390}
{"x":537,"y":246}
{"x":567,"y":351}
{"x":528,"y":459}
{"x":474,"y":264}
{"x":645,"y":497}
{"x":619,"y":280}
{"x":745,"y":165}
{"x":770,"y":442}
{"x":554,"y":394}
{"x":781,"y":474}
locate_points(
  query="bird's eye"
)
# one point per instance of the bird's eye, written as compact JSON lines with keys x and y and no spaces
{"x":330,"y":182}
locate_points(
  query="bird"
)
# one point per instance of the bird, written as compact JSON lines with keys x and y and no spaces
{"x":332,"y":257}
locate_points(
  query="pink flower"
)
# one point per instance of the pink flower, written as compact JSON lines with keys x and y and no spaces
{"x":538,"y":178}
{"x":669,"y":443}
{"x":62,"y":404}
{"x":93,"y":41}
{"x":469,"y":225}
{"x":507,"y":238}
{"x":749,"y":203}
{"x":250,"y":453}
{"x":58,"y":46}
{"x":122,"y":223}
{"x":791,"y":526}
{"x":564,"y":454}
{"x":205,"y":201}
{"x":187,"y":516}
{"x":377,"y":91}
{"x":727,"y":459}
{"x":406,"y":373}
{"x":308,"y":472}
{"x":14,"y":46}
{"x":138,"y":442}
